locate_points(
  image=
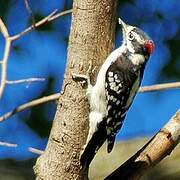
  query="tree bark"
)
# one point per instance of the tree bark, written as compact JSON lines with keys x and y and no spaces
{"x":91,"y":40}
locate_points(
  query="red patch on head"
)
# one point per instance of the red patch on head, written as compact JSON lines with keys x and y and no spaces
{"x":149,"y":46}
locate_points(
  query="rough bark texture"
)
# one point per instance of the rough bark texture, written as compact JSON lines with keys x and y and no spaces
{"x":91,"y":40}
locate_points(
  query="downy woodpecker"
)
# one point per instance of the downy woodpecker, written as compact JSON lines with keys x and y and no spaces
{"x":117,"y":83}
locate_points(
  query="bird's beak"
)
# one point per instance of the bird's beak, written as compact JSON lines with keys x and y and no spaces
{"x":123,"y":24}
{"x":124,"y":27}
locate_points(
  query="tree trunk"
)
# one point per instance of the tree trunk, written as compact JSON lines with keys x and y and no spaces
{"x":91,"y":40}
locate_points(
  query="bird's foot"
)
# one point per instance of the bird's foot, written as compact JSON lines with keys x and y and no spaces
{"x":82,"y":78}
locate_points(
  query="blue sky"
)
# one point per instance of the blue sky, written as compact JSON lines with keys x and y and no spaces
{"x":43,"y":54}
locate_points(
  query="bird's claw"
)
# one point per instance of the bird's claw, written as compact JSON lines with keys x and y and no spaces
{"x":83,"y":79}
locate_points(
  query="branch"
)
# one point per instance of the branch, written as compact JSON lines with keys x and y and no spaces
{"x":60,"y":14}
{"x":6,"y":36}
{"x":9,"y":39}
{"x":30,"y":149}
{"x":56,"y":96}
{"x":158,"y":87}
{"x":35,"y":151}
{"x":29,"y":80}
{"x":47,"y":19}
{"x":160,"y":146}
{"x":2,"y":143}
{"x":29,"y":11}
{"x":29,"y":105}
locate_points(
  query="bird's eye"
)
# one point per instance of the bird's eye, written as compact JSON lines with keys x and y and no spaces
{"x":130,"y":36}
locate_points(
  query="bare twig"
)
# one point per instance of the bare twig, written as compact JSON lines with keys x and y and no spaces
{"x":35,"y":151}
{"x":56,"y":96}
{"x":30,"y":149}
{"x":5,"y":33}
{"x":160,"y":146}
{"x":60,"y":14}
{"x":159,"y":87}
{"x":9,"y":39}
{"x":47,"y":19}
{"x":29,"y":11}
{"x":3,"y":29}
{"x":2,"y":143}
{"x":30,"y":104}
{"x":29,"y":80}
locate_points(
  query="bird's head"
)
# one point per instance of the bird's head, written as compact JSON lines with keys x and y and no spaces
{"x":136,"y":40}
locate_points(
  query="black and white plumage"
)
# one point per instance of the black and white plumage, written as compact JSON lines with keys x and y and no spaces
{"x":116,"y":86}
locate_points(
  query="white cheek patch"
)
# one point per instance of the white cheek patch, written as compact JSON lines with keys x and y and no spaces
{"x":137,"y":59}
{"x":138,"y":38}
{"x":130,"y":47}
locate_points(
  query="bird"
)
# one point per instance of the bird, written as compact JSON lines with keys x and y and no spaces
{"x":117,"y":83}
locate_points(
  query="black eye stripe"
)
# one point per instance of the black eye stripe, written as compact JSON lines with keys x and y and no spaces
{"x":140,"y":33}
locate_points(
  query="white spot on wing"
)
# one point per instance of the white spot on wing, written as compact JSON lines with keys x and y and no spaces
{"x":116,"y":76}
{"x":117,"y":80}
{"x":112,"y":85}
{"x":117,"y":102}
{"x":120,"y":85}
{"x":116,"y":88}
{"x":109,"y":119}
{"x":110,"y":74}
{"x":110,"y":79}
{"x":118,"y":123}
{"x":109,"y":107}
{"x":118,"y":92}
{"x":111,"y":97}
{"x":114,"y":99}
